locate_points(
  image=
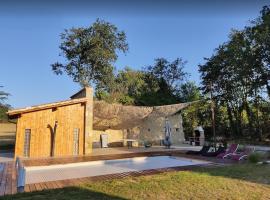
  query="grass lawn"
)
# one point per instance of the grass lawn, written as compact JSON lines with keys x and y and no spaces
{"x":244,"y":181}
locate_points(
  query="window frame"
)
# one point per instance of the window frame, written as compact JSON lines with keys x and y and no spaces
{"x":76,"y":135}
{"x":27,"y":142}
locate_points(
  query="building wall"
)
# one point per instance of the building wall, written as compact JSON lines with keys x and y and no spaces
{"x":7,"y":133}
{"x":68,"y":117}
{"x":115,"y":137}
{"x":7,"y":128}
{"x":149,"y":130}
{"x":88,"y":93}
{"x":153,"y":130}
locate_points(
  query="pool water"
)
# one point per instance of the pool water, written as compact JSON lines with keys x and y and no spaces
{"x":96,"y":168}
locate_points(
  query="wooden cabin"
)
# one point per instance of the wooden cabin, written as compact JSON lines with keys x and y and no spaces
{"x":54,"y":129}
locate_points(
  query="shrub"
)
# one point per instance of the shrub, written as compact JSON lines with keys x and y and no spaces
{"x":267,"y":155}
{"x":254,"y":157}
{"x":240,"y":147}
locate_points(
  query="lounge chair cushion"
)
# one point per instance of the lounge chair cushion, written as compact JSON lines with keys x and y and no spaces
{"x":204,"y":149}
{"x":214,"y":154}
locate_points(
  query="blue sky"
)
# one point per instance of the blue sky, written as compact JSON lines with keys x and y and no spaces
{"x":29,"y":42}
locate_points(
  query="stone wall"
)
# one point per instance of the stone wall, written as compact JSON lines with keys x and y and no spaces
{"x":149,"y":129}
{"x":115,"y":137}
{"x":153,"y":130}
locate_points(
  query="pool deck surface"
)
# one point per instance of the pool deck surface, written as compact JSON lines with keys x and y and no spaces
{"x":8,"y":174}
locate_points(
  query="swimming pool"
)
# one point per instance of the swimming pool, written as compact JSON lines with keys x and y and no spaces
{"x":95,"y":168}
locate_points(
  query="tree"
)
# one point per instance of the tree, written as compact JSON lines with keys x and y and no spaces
{"x":3,"y":110}
{"x":197,"y":114}
{"x":229,"y":73}
{"x":155,"y":85}
{"x":3,"y":106}
{"x":189,"y":92}
{"x":168,"y":74}
{"x":91,"y":52}
{"x":3,"y":95}
{"x":126,"y":88}
{"x":259,"y":35}
{"x":239,"y":72}
{"x":162,"y":81}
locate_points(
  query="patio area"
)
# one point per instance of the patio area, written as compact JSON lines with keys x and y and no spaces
{"x":120,"y":153}
{"x":124,"y":150}
{"x":9,"y":175}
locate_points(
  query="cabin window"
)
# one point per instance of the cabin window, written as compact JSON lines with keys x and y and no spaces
{"x":76,"y":141}
{"x":27,"y":138}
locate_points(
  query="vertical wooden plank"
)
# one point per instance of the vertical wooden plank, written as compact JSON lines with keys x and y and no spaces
{"x":26,"y":188}
{"x":32,"y":187}
{"x":18,"y":138}
{"x":8,"y":188}
{"x":38,"y":187}
{"x":14,"y":178}
{"x":3,"y":180}
{"x":68,"y":117}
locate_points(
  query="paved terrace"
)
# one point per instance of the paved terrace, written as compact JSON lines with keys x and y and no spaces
{"x":121,"y":150}
{"x":8,"y":174}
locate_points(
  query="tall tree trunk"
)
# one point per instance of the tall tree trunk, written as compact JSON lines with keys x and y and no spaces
{"x":250,"y":115}
{"x":268,"y":89}
{"x":238,"y":121}
{"x":258,"y":127}
{"x":229,"y":111}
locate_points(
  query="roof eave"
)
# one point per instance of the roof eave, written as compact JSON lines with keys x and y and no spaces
{"x":45,"y":106}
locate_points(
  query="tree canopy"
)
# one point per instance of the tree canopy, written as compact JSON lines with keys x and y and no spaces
{"x":154,"y":85}
{"x":3,"y":106}
{"x":239,"y":74}
{"x":91,"y":52}
{"x":189,"y":92}
{"x":3,"y":96}
{"x":126,"y":87}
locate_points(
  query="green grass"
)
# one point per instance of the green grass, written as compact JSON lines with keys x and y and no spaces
{"x":246,"y":181}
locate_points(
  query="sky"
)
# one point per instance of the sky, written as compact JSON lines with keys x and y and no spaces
{"x":30,"y":37}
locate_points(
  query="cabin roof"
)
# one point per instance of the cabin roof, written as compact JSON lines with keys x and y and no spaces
{"x":77,"y":93}
{"x":46,"y":106}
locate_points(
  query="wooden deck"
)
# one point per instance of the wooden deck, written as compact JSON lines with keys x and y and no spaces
{"x":79,"y":181}
{"x":8,"y":177}
{"x":106,"y":154}
{"x":87,"y":158}
{"x":8,"y":180}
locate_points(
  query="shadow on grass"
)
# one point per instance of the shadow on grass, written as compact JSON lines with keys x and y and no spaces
{"x":247,"y":172}
{"x":74,"y":193}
